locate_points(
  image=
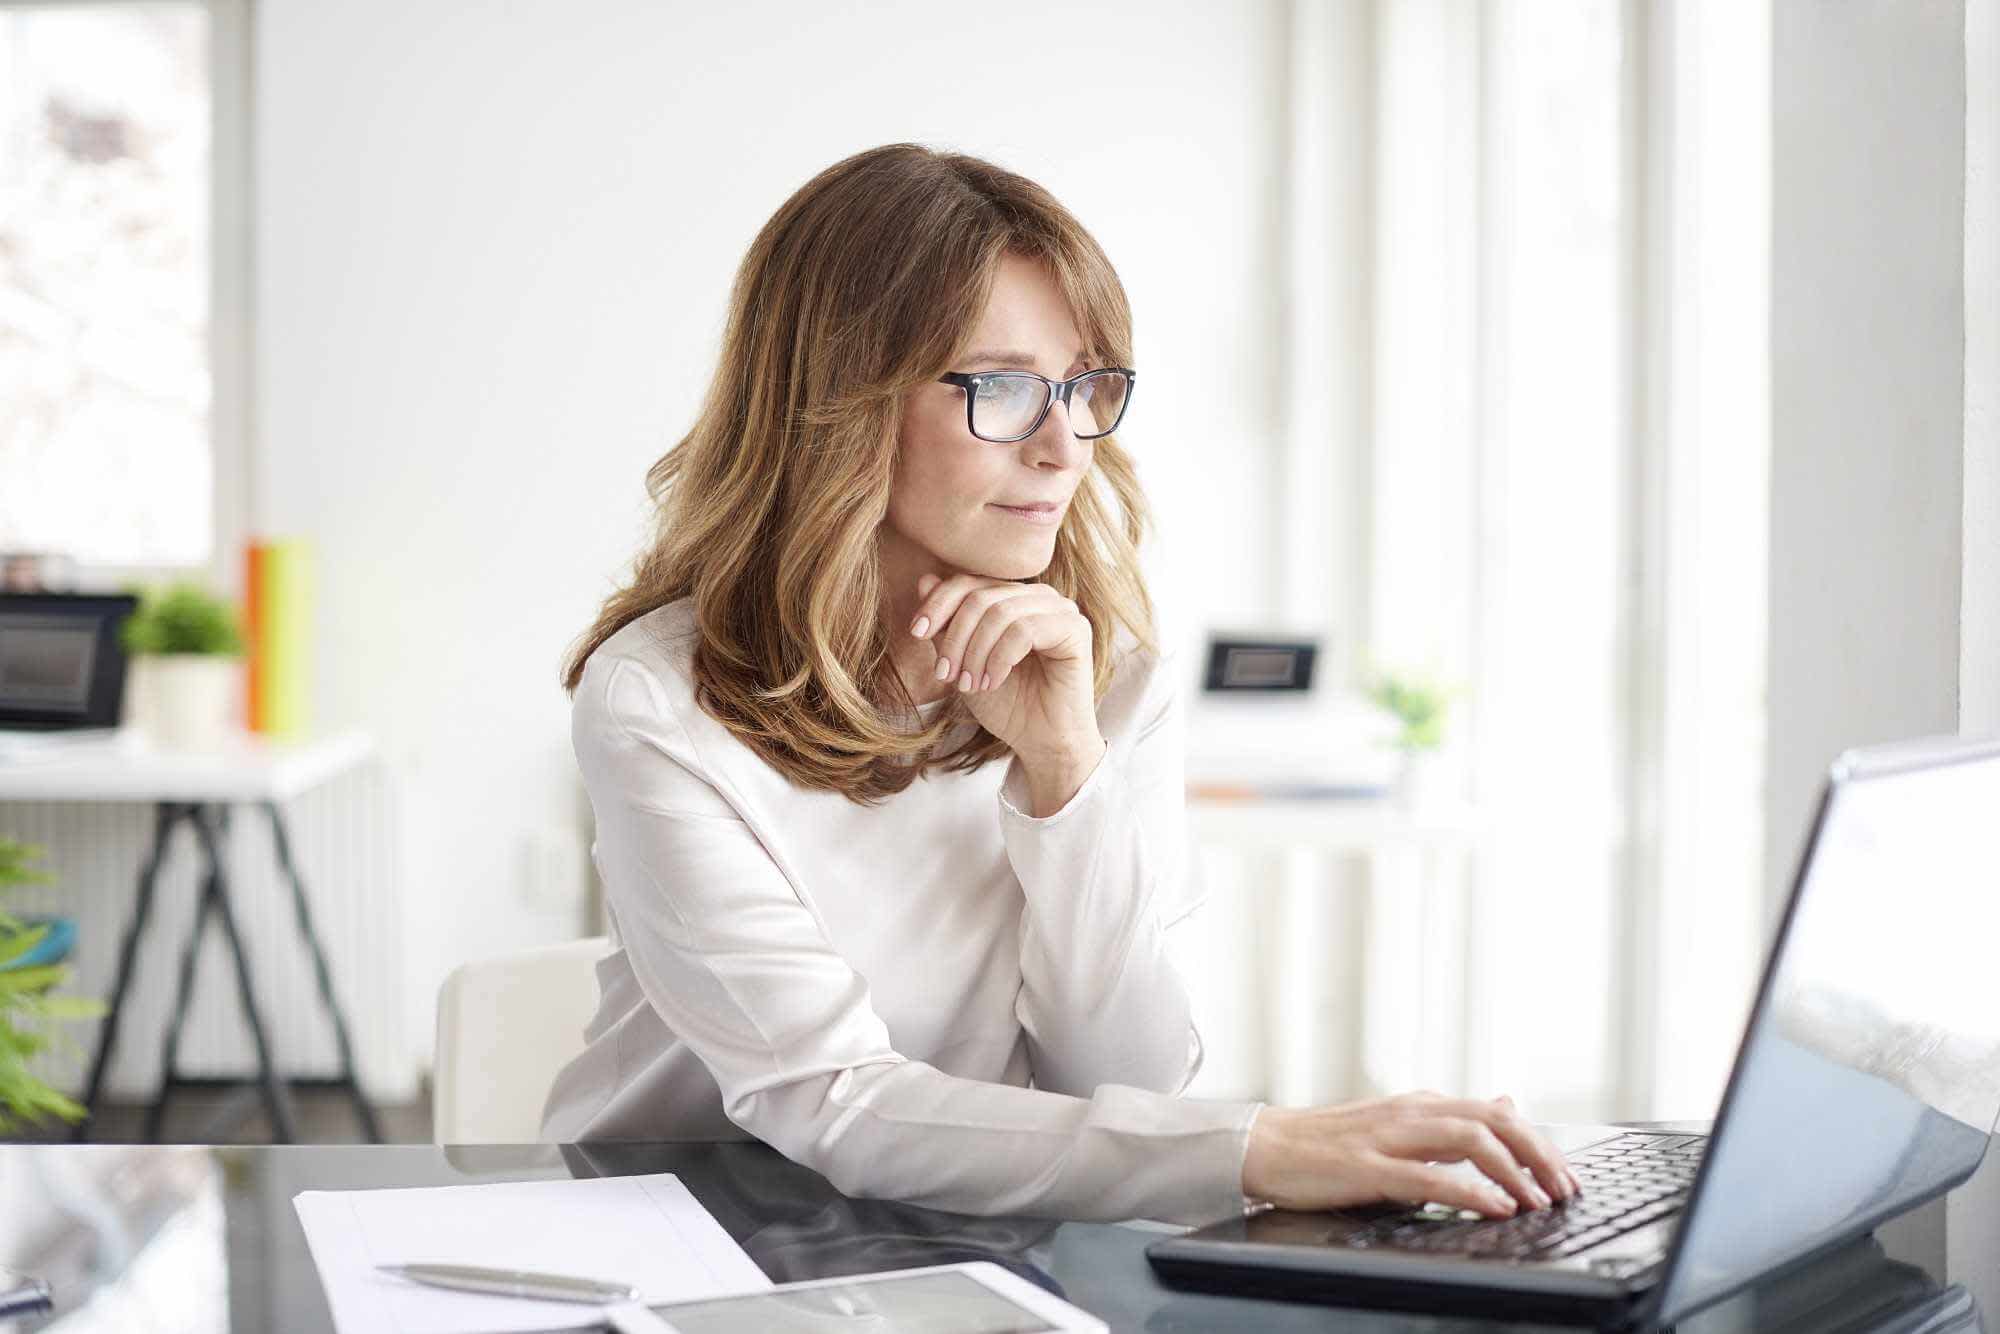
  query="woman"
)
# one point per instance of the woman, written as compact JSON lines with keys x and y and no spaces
{"x":887,"y":766}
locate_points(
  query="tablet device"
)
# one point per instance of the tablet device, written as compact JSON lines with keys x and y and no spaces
{"x":974,"y":1298}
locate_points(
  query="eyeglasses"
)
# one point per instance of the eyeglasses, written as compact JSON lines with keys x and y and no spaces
{"x":1005,"y":406}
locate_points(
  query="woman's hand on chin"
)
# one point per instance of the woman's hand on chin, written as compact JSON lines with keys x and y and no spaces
{"x":1020,"y":654}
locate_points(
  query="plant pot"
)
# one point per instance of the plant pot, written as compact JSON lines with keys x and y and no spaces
{"x":192,"y":699}
{"x":1423,"y":780}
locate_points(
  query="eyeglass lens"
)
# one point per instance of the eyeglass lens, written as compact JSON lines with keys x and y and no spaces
{"x":1005,"y":406}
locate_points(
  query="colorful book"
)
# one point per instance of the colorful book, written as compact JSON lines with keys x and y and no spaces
{"x":253,"y":635}
{"x":278,"y":620}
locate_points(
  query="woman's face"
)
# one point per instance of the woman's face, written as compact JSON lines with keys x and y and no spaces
{"x":946,"y":505}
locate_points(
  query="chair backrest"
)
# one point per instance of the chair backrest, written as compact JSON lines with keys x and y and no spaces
{"x":504,"y":1027}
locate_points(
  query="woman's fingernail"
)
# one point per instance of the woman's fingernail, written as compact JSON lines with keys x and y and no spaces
{"x":986,"y":680}
{"x":944,"y":669}
{"x":1501,"y":1203}
{"x":965,"y":680}
{"x":1541,"y":1197}
{"x":922,"y":624}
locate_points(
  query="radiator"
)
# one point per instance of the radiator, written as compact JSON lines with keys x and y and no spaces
{"x":346,"y":839}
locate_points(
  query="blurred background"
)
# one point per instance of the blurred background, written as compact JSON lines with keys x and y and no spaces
{"x":1628,"y":369}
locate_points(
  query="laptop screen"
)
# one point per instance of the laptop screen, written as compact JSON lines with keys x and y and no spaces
{"x":1870,"y":1078}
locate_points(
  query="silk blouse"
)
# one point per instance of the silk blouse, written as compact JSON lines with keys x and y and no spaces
{"x":941,"y":998}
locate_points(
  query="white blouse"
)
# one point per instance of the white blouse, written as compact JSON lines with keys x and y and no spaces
{"x":938,"y":999}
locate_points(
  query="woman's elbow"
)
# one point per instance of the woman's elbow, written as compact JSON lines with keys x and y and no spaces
{"x":810,"y":1124}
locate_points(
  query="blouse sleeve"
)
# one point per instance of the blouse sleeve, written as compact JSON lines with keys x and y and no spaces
{"x":1104,"y":878}
{"x":740,"y":967}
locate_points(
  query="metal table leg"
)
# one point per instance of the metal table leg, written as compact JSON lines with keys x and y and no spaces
{"x":166,"y":814}
{"x":282,"y":843}
{"x":277,"y":1098}
{"x":156,"y":1115}
{"x":211,"y":823}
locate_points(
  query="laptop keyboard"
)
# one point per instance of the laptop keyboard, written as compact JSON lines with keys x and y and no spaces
{"x":1628,"y":1182}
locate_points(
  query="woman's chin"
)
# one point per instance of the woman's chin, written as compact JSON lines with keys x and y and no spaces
{"x":1016,"y":563}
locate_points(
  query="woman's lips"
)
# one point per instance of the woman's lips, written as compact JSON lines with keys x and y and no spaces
{"x":1046,"y":514}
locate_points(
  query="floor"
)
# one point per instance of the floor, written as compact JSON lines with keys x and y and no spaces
{"x":195,"y":1115}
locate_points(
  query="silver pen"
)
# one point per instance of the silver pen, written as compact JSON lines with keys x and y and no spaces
{"x":621,"y":1301}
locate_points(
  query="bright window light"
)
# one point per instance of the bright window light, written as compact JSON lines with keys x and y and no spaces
{"x":105,"y":382}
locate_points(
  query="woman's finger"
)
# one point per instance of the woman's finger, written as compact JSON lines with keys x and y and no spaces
{"x":1527,"y":1145}
{"x":963,"y":618}
{"x":1014,"y":644}
{"x":1416,"y":1182}
{"x":978,"y":653}
{"x":935,"y":608}
{"x":1535,"y":1149}
{"x":1457,"y":1138}
{"x":1037,"y":632}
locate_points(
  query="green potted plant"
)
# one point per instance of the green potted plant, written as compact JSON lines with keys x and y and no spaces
{"x":191,"y":648}
{"x":26,"y":1007}
{"x":1419,"y":706}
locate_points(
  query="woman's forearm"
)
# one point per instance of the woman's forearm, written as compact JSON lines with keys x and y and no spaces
{"x":1100,"y":1000}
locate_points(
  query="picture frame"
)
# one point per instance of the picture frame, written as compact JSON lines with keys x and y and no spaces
{"x":62,"y":664}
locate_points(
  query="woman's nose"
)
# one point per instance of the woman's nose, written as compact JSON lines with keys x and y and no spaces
{"x":1055,"y":441}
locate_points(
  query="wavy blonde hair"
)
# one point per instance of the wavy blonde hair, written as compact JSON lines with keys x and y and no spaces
{"x":863,"y":286}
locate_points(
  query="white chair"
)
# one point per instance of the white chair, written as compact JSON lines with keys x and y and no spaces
{"x":504,"y":1027}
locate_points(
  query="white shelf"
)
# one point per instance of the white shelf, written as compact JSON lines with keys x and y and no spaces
{"x":249,"y":768}
{"x":1360,"y":825}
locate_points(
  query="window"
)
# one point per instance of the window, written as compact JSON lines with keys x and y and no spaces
{"x":1571,"y":443}
{"x":107,"y":385}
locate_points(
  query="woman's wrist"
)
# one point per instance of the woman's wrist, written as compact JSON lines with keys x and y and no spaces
{"x":1053,"y":779}
{"x":1260,"y":1154}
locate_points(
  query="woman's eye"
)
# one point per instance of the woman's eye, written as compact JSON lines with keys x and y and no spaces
{"x":1004,"y":391}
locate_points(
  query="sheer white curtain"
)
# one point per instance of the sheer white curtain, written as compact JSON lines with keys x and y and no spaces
{"x":1543,"y":426}
{"x":1570,"y":452}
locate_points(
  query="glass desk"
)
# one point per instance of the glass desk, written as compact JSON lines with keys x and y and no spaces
{"x":162,"y":1237}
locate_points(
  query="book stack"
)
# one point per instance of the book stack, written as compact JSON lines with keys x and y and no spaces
{"x":277,"y":623}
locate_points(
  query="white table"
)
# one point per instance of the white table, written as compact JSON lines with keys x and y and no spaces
{"x":1430,"y":931}
{"x":200,"y":790}
{"x":1355,"y":825}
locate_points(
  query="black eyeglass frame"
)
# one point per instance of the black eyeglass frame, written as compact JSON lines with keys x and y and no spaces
{"x":1056,"y":390}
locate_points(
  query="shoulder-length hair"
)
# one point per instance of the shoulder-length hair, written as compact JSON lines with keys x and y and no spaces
{"x":864,"y":285}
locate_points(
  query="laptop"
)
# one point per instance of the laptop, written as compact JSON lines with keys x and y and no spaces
{"x":1868,"y":1081}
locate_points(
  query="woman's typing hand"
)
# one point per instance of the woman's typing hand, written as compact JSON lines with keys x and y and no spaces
{"x":1395,"y":1149}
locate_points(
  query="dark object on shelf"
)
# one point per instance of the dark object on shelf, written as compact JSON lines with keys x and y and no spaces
{"x":1243,"y":665}
{"x":61,"y":663}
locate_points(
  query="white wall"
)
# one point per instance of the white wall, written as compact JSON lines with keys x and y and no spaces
{"x":1868,"y":321}
{"x":1973,"y":1219}
{"x":493,"y":247}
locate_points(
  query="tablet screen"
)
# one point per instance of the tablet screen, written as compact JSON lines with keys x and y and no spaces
{"x":946,"y":1303}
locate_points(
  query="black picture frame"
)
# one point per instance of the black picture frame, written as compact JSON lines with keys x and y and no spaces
{"x":1243,"y":665}
{"x":90,"y":623}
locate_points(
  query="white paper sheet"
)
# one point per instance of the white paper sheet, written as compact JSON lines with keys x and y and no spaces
{"x":647,"y":1231}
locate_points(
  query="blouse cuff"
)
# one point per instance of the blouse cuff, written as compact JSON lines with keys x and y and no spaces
{"x":1251,"y":1204}
{"x":1230,"y":1201}
{"x":1193,"y":1170}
